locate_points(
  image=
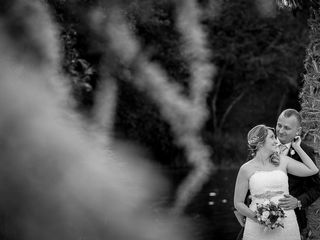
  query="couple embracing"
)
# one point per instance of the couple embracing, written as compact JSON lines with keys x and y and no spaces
{"x":281,"y":179}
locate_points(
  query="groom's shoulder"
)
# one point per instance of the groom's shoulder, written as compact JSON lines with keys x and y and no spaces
{"x":305,"y":146}
{"x":308,"y":149}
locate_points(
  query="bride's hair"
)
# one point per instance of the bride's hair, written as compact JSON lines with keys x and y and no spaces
{"x":256,"y":138}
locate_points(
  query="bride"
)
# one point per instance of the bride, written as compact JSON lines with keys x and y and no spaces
{"x":266,"y":177}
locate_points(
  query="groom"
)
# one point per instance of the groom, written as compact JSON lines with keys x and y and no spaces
{"x":303,"y":190}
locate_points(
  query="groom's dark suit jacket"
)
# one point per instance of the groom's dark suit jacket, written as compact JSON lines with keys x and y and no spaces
{"x":305,"y":189}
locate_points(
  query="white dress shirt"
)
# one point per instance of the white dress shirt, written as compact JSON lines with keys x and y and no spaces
{"x":288,"y":145}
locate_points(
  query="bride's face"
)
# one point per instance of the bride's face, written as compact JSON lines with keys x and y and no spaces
{"x":270,"y":142}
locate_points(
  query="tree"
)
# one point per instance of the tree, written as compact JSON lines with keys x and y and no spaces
{"x":310,"y":92}
{"x":259,"y":65}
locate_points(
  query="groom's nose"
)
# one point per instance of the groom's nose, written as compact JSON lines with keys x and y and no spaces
{"x":280,"y":130}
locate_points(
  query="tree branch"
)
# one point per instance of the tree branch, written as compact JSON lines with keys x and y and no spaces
{"x":216,"y":90}
{"x":234,"y":102}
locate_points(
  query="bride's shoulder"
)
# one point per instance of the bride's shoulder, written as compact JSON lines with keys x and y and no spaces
{"x":246,"y":168}
{"x":248,"y":164}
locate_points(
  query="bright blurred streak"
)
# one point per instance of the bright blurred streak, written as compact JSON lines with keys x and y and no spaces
{"x":195,"y":48}
{"x":185,"y":115}
{"x":59,"y":178}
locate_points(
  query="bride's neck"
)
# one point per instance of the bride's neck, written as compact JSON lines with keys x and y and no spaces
{"x":262,"y":157}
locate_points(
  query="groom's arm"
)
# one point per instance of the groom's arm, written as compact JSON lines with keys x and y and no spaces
{"x":312,"y":184}
{"x":313,"y":192}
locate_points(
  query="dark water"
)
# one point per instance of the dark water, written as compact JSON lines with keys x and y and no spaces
{"x":211,"y":210}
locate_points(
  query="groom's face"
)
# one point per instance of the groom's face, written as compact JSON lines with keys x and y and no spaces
{"x":287,"y":128}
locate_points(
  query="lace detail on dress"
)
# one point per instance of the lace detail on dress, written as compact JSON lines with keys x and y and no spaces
{"x":268,"y":194}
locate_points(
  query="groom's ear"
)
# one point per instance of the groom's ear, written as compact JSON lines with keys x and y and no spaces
{"x":299,"y":131}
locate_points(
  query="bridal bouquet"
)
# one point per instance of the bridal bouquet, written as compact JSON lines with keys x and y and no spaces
{"x":270,"y":215}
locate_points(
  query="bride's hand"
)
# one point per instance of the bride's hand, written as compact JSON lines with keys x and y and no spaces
{"x":296,"y":142}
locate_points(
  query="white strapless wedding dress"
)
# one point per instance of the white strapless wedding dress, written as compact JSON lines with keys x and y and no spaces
{"x":270,"y":185}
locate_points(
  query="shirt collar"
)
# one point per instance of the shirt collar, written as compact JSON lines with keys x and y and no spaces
{"x":288,"y":145}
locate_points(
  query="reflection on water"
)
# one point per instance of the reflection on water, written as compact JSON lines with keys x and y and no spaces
{"x":212,"y":209}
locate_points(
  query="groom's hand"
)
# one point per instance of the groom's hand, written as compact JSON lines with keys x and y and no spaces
{"x":296,"y":142}
{"x":288,"y":202}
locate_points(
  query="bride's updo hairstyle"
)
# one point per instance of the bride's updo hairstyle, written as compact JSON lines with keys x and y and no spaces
{"x":256,"y":138}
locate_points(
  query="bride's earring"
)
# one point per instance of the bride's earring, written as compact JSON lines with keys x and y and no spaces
{"x":259,"y":145}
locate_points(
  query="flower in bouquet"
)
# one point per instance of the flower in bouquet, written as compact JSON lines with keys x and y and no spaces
{"x":270,"y":214}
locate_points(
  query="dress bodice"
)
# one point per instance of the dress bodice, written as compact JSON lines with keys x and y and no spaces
{"x":263,"y":181}
{"x":268,"y":185}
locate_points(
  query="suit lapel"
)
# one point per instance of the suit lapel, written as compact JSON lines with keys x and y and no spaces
{"x":294,"y":155}
{"x":291,"y":152}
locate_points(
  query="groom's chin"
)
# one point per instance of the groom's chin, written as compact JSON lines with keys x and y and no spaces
{"x":282,"y":140}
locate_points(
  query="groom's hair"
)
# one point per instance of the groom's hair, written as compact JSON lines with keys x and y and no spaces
{"x":292,"y":112}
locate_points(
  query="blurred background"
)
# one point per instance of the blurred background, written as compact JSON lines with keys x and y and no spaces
{"x":259,"y":71}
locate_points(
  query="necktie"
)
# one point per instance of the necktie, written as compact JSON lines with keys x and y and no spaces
{"x":282,"y":148}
